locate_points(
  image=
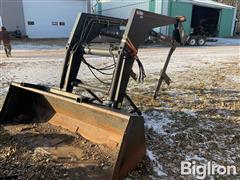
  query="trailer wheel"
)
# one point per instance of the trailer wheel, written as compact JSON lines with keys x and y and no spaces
{"x":192,"y":41}
{"x":201,"y":41}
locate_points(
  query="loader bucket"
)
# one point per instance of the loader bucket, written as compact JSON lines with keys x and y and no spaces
{"x":120,"y":132}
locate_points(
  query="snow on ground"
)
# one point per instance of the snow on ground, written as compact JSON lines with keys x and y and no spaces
{"x":234,"y":78}
{"x":189,"y":112}
{"x":195,"y":118}
{"x":195,"y":157}
{"x":158,"y":121}
{"x":157,"y":166}
{"x":34,"y":70}
{"x":29,"y":46}
{"x":224,"y":42}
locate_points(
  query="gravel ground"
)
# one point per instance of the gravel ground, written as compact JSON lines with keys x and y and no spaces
{"x":196,"y":118}
{"x":43,"y":151}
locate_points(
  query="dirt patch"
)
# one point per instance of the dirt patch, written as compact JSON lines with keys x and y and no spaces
{"x":25,"y":149}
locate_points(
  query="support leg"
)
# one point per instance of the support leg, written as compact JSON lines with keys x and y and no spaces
{"x":163,"y":75}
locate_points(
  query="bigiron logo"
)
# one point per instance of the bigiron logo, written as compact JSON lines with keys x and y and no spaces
{"x":208,"y":169}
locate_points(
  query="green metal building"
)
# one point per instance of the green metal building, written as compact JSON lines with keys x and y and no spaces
{"x":218,"y":19}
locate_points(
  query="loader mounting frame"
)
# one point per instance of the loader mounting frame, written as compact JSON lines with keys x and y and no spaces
{"x":137,"y":29}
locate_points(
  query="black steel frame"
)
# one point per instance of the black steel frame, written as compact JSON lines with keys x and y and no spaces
{"x":89,"y":27}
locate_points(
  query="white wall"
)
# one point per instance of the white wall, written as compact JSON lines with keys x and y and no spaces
{"x":44,"y":12}
{"x":1,"y":23}
{"x":123,"y":8}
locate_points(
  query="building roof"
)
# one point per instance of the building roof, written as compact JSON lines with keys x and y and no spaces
{"x":208,"y":3}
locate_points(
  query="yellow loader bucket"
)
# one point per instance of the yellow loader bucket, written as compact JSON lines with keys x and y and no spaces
{"x":120,"y":132}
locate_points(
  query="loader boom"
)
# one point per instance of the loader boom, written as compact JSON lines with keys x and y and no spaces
{"x":101,"y":122}
{"x":137,"y":29}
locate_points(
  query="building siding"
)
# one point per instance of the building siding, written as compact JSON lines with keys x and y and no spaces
{"x":164,"y":11}
{"x":225,"y":23}
{"x":44,"y":13}
{"x":152,"y":5}
{"x":177,"y":8}
{"x":99,"y":8}
{"x":12,"y":15}
{"x":181,"y":9}
{"x":158,"y":6}
{"x":123,"y":8}
{"x":46,"y":17}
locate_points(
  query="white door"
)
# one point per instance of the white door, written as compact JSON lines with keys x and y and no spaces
{"x":51,"y":19}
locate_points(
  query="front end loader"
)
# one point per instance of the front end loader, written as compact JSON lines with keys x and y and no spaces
{"x":101,"y":122}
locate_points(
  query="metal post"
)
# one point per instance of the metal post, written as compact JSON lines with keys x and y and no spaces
{"x":163,"y":75}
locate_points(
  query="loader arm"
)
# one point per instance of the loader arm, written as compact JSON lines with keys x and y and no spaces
{"x":137,"y":28}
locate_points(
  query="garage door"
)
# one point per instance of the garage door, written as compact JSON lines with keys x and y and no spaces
{"x":226,"y":22}
{"x":51,"y":19}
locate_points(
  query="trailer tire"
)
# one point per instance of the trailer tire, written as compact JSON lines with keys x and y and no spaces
{"x":201,"y":41}
{"x":192,"y":41}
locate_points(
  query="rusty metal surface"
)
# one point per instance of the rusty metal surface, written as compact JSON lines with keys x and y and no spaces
{"x":120,"y":132}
